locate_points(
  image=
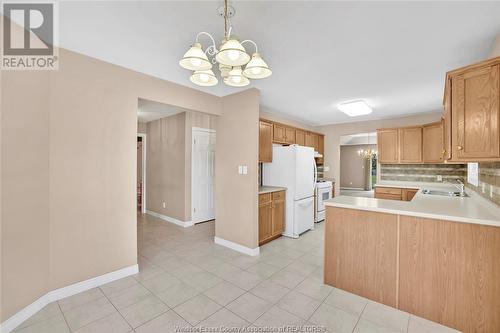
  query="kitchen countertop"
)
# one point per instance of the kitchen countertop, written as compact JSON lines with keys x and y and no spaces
{"x":270,"y":189}
{"x":472,"y":209}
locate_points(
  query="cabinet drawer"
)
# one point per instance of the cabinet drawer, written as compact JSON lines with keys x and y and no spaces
{"x":264,"y":198}
{"x":388,"y":190}
{"x":279,"y":195}
{"x":388,"y":196}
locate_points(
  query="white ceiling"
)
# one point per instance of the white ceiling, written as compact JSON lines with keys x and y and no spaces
{"x":149,"y":110}
{"x":391,"y":54}
{"x":359,"y":139}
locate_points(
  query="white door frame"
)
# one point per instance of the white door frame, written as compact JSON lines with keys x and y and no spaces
{"x":196,"y":129}
{"x":143,"y":206}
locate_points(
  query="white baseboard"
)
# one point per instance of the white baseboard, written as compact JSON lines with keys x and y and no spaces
{"x":237,"y":247}
{"x":55,"y":295}
{"x":171,"y":219}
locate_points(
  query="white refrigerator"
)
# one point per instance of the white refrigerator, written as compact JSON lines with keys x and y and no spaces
{"x":294,"y":167}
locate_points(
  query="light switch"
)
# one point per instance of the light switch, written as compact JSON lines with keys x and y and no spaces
{"x":240,"y":169}
{"x":245,"y":169}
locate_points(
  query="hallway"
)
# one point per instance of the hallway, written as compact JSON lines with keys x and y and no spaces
{"x":186,"y":280}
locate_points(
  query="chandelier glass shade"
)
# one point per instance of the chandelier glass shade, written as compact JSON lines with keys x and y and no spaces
{"x":231,"y":58}
{"x":195,"y":59}
{"x":204,"y":78}
{"x":257,"y":68}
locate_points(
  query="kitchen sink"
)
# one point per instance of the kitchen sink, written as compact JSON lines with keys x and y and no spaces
{"x":444,"y":193}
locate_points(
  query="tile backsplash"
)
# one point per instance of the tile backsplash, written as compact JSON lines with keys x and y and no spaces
{"x":423,"y":172}
{"x":489,"y":181}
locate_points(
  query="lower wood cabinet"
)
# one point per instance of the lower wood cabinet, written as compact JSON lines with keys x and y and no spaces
{"x":394,"y":193}
{"x":271,"y":216}
{"x":449,"y":273}
{"x":444,"y":271}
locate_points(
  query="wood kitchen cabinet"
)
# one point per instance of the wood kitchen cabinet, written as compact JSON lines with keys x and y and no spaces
{"x":271,"y":216}
{"x":387,"y":145}
{"x":300,"y":137}
{"x":289,"y":135}
{"x":433,"y":143}
{"x":472,"y":113}
{"x":265,"y":142}
{"x":395,"y":193}
{"x":279,"y":133}
{"x":475,"y":108}
{"x":410,"y":145}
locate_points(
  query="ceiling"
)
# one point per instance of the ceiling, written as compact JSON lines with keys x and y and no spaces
{"x":150,"y":110}
{"x":359,"y":139}
{"x":391,"y":54}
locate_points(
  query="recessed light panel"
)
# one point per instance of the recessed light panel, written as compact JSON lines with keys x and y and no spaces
{"x":355,"y":108}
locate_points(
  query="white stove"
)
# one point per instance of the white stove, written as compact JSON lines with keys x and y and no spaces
{"x":323,"y":192}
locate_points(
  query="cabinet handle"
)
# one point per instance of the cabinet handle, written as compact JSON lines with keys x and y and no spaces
{"x":460,"y":147}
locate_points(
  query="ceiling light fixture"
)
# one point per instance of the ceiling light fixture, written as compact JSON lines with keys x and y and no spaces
{"x":231,"y":56}
{"x":355,"y":108}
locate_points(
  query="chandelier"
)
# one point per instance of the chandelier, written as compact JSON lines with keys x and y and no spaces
{"x":235,"y":65}
{"x":369,"y":153}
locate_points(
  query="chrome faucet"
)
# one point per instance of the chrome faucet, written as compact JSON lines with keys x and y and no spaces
{"x":460,"y":186}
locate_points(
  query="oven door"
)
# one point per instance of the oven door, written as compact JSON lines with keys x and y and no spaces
{"x":323,"y":194}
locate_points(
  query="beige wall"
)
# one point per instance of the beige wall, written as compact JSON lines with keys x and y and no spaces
{"x":142,"y":127}
{"x":352,"y":167}
{"x":166,"y":166}
{"x":69,"y":185}
{"x":238,"y":127}
{"x":25,"y":188}
{"x":334,"y":132}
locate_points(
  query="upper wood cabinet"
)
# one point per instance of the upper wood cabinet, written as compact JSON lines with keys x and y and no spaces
{"x":279,"y":133}
{"x":289,"y":135}
{"x":265,"y":142}
{"x":387,"y":141}
{"x":300,"y":137}
{"x":472,"y":113}
{"x":410,"y":144}
{"x":433,"y":145}
{"x":475,"y":114}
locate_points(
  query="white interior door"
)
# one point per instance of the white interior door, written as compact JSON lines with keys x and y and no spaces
{"x":202,"y":175}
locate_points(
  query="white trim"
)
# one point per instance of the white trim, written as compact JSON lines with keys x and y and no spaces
{"x":193,"y":130}
{"x":184,"y":224}
{"x":353,"y":188}
{"x":237,"y":247}
{"x":17,"y":319}
{"x":143,"y":206}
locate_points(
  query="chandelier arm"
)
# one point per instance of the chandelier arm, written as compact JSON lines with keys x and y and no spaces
{"x":211,"y":38}
{"x":251,"y":42}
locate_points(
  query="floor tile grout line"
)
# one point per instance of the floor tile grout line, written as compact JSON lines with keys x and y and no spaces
{"x":64,"y":317}
{"x":360,"y":315}
{"x":116,"y":309}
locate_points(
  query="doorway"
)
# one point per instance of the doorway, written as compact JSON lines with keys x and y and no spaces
{"x":203,"y":175}
{"x":141,"y":173}
{"x":358,"y":164}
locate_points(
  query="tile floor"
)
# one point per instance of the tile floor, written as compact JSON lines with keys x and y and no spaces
{"x":187,"y":281}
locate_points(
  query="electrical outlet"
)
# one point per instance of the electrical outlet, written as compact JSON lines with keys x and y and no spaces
{"x":439,"y":178}
{"x":164,"y":204}
{"x":245,"y":169}
{"x":240,"y":169}
{"x":326,"y":168}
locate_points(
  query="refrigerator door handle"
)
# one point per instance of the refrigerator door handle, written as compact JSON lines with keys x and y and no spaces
{"x":315,"y":175}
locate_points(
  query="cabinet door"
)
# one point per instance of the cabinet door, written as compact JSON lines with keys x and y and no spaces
{"x":433,"y":143}
{"x":265,"y":221}
{"x":387,"y":146}
{"x":278,"y":133}
{"x":278,"y":225}
{"x":410,"y":145}
{"x":265,"y":142}
{"x":447,"y":121}
{"x":321,"y":144}
{"x":300,"y":137}
{"x":475,"y":114}
{"x":408,"y":194}
{"x":309,"y":140}
{"x":315,"y":138}
{"x":289,"y":135}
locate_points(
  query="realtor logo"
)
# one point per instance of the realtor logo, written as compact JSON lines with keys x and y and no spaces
{"x":28,"y":36}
